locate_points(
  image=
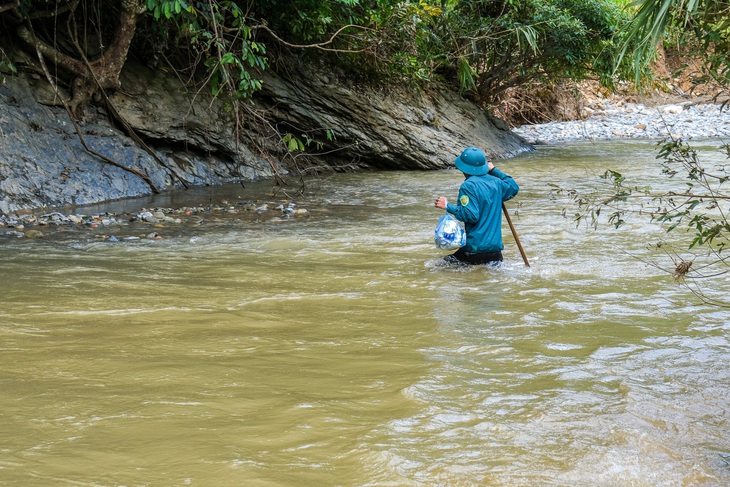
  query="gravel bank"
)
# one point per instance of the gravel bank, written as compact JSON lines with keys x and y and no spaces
{"x":147,"y":223}
{"x":631,"y":120}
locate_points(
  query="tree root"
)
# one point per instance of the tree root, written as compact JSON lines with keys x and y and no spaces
{"x":134,"y":171}
{"x":131,"y":132}
{"x":93,"y":78}
{"x":10,"y":6}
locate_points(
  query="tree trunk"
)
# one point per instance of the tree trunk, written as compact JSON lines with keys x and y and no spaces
{"x":100,"y":74}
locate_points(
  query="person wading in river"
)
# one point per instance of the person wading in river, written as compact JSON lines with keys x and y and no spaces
{"x":480,"y":207}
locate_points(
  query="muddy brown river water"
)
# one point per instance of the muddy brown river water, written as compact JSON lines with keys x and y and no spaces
{"x":334,"y":348}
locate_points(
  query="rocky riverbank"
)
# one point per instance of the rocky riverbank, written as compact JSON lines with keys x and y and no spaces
{"x":609,"y":120}
{"x":145,"y":223}
{"x":172,"y":138}
{"x":685,"y":120}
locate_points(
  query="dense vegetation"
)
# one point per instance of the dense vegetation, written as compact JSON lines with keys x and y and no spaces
{"x":482,"y":47}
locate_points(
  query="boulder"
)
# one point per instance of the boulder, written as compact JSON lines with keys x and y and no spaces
{"x":185,"y":138}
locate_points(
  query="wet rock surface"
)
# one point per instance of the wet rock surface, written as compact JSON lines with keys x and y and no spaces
{"x":146,"y":223}
{"x":191,"y":140}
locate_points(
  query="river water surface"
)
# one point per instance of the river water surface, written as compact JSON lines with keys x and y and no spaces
{"x":334,"y":348}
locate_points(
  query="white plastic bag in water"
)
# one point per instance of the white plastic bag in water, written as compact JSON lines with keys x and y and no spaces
{"x":449,"y":234}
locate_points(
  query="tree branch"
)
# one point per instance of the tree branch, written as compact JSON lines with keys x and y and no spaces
{"x":9,"y":6}
{"x":136,"y":172}
{"x":59,"y":58}
{"x":320,"y":45}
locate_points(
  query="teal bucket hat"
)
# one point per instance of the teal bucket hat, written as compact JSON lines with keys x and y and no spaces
{"x":472,"y":162}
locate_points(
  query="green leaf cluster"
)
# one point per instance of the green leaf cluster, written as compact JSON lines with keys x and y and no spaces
{"x":218,"y":33}
{"x":514,"y":43}
{"x":486,"y":46}
{"x":697,"y":27}
{"x":481,"y":46}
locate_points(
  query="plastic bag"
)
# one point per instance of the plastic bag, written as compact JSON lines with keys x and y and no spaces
{"x":449,"y":234}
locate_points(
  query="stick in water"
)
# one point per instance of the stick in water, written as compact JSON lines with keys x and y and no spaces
{"x":514,"y":233}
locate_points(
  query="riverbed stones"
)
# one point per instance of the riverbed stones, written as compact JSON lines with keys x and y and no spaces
{"x":146,"y":223}
{"x":687,"y":121}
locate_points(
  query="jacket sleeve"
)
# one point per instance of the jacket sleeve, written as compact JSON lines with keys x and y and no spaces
{"x":468,"y":213}
{"x":509,"y":186}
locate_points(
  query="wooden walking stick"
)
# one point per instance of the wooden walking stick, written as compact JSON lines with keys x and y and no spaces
{"x":514,"y":233}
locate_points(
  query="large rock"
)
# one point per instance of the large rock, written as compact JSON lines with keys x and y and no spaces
{"x":43,"y":162}
{"x":388,"y":129}
{"x":199,"y":141}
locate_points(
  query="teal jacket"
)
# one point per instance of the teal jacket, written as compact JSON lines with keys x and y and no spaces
{"x":480,"y":208}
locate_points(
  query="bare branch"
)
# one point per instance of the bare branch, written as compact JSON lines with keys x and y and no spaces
{"x":9,"y":6}
{"x":320,"y":45}
{"x":132,"y":170}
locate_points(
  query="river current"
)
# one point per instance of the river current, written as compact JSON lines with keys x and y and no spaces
{"x":335,"y":348}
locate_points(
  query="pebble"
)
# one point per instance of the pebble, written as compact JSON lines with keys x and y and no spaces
{"x":154,"y":219}
{"x":687,"y":121}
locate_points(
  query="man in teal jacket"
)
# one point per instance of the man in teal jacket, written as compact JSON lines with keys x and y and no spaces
{"x":480,"y":207}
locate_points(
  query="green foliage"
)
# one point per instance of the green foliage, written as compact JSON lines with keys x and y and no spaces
{"x":698,"y":205}
{"x":467,"y":75}
{"x":483,"y":46}
{"x":700,"y":26}
{"x":295,"y":144}
{"x":220,"y":34}
{"x":167,"y":8}
{"x":292,"y":143}
{"x":511,"y":43}
{"x":310,"y":21}
{"x":392,"y":39}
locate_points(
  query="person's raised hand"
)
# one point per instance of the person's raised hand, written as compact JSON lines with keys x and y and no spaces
{"x":441,"y":202}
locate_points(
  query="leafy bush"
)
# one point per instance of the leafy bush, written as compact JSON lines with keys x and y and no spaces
{"x":511,"y":43}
